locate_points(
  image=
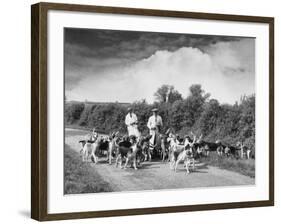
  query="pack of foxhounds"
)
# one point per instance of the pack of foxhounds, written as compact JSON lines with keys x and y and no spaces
{"x":170,"y":148}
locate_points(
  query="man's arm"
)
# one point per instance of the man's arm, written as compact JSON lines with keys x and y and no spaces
{"x":149,"y":123}
{"x":135,"y":121}
{"x":194,"y":138}
{"x":200,"y":138}
{"x":127,"y":121}
{"x":161,"y":122}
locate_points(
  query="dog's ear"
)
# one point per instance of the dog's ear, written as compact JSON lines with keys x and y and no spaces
{"x":149,"y":137}
{"x":92,"y":158}
{"x":168,"y":131}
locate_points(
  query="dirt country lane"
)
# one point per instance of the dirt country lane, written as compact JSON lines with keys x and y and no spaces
{"x":158,"y":175}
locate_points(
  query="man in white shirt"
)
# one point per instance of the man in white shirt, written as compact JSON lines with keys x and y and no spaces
{"x":131,"y":121}
{"x":154,"y":124}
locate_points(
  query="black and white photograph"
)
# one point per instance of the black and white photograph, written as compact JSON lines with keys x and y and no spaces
{"x":151,"y":111}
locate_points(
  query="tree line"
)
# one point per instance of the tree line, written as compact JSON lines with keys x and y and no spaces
{"x":198,"y":112}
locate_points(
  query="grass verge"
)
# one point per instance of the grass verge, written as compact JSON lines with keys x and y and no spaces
{"x":80,"y":177}
{"x":84,"y":128}
{"x":245,"y":167}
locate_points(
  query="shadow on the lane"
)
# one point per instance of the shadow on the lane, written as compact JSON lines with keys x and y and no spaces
{"x":202,"y":166}
{"x":148,"y":166}
{"x":199,"y":168}
{"x":183,"y":170}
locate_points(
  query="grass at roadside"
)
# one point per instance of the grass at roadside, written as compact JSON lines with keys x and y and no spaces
{"x":84,"y":128}
{"x":76,"y":126}
{"x":245,"y":167}
{"x":74,"y":132}
{"x":80,"y":177}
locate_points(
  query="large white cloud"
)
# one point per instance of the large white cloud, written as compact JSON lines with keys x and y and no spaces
{"x":225,"y":69}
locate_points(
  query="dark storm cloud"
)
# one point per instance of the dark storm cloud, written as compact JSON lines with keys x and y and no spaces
{"x":131,"y":44}
{"x":90,"y":51}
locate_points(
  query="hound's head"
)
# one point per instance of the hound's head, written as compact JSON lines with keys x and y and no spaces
{"x":125,"y":138}
{"x":99,"y":139}
{"x":218,"y":142}
{"x":206,"y":146}
{"x":113,"y":135}
{"x":188,"y":138}
{"x":143,"y":141}
{"x":133,"y":139}
{"x":145,"y":138}
{"x":189,"y":151}
{"x":239,"y":144}
{"x":117,"y":139}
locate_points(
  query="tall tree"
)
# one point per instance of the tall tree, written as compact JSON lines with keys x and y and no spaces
{"x":193,"y":104}
{"x":208,"y":118}
{"x":167,"y":94}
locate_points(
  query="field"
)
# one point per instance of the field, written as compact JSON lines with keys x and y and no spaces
{"x":102,"y":177}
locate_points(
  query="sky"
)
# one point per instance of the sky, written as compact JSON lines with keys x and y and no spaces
{"x":128,"y":66}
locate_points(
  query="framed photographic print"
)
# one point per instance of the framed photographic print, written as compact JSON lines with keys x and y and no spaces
{"x":139,"y":111}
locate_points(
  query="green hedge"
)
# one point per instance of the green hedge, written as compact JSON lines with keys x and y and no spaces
{"x":198,"y":113}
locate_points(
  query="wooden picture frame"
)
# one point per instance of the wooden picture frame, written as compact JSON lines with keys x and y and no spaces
{"x":39,"y":108}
